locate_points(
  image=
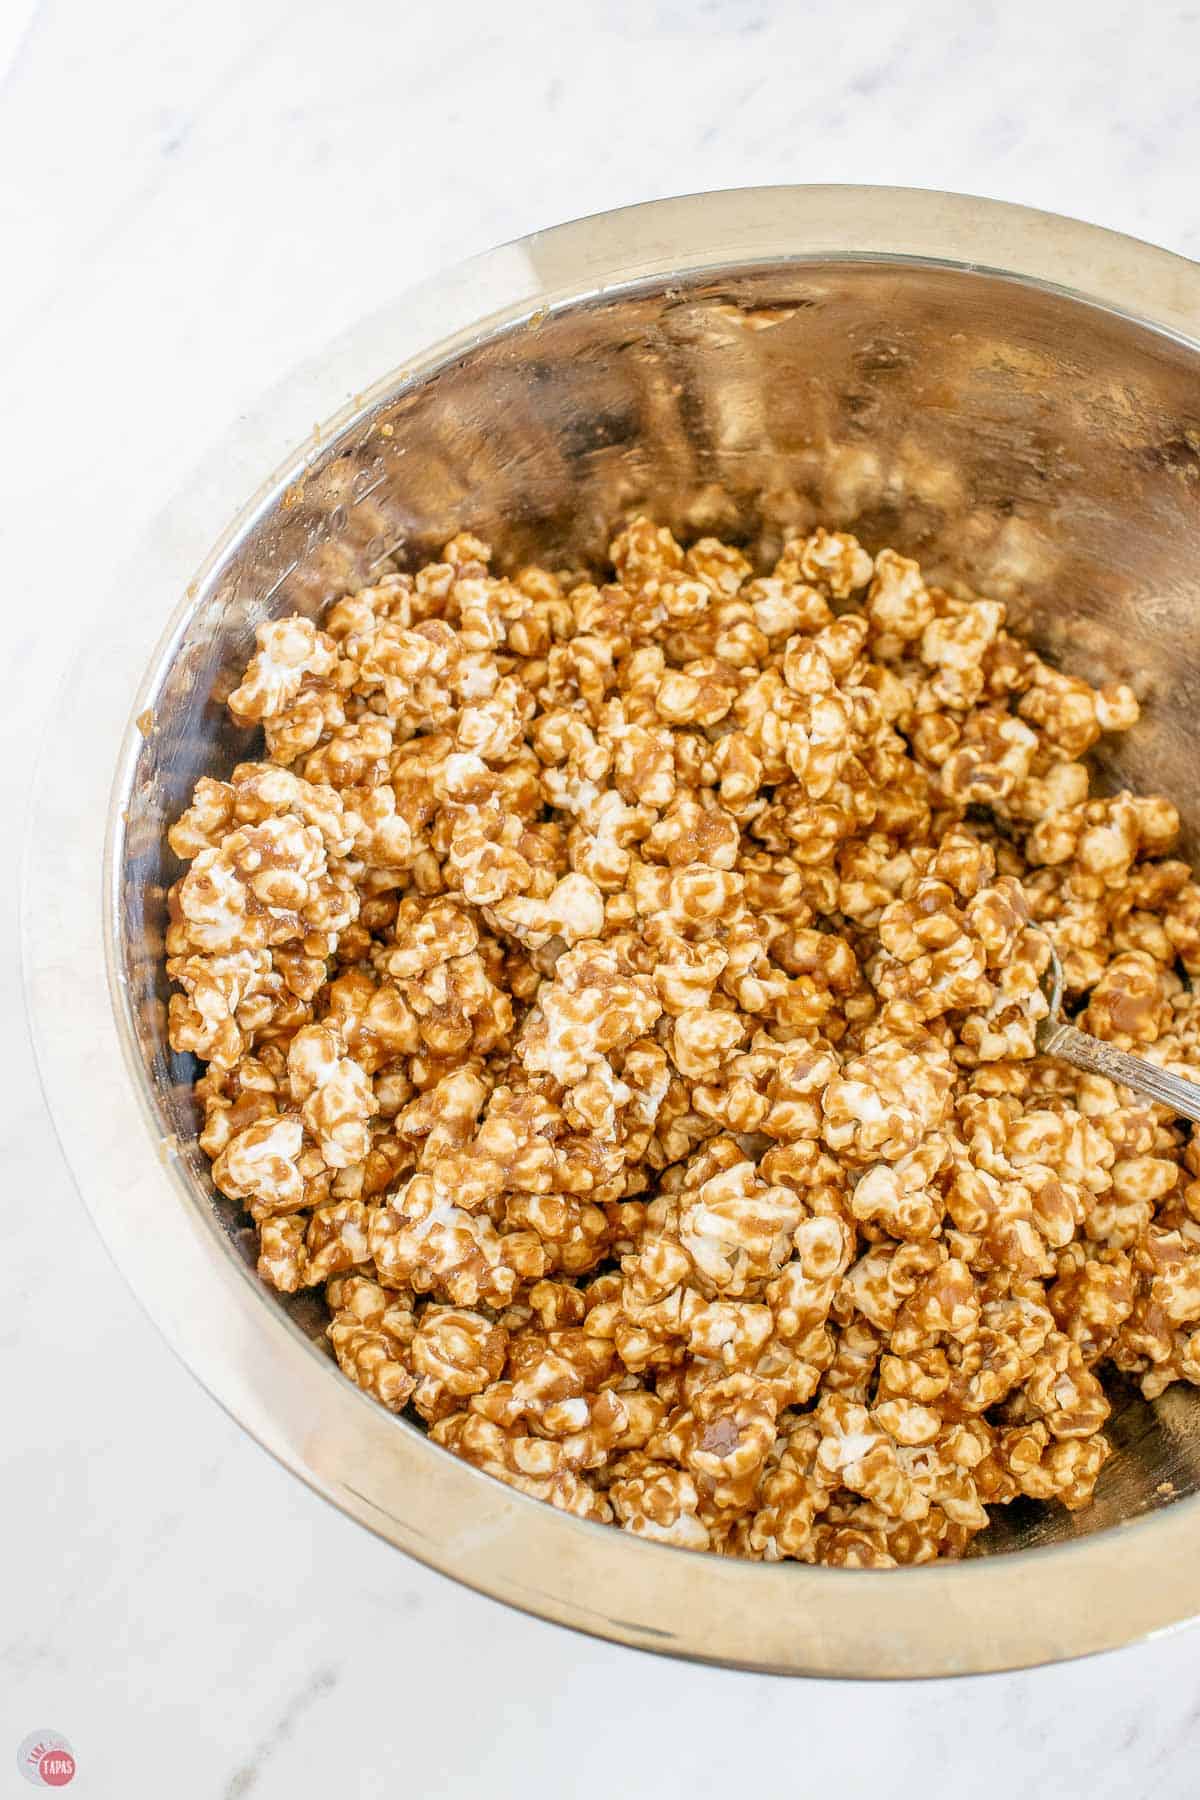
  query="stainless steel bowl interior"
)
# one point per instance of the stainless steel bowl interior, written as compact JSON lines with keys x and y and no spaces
{"x":1040,"y":443}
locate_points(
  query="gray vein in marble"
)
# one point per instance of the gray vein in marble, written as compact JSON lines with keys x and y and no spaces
{"x":247,"y":1775}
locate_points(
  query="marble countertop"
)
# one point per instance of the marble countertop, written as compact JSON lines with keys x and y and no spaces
{"x":194,"y":198}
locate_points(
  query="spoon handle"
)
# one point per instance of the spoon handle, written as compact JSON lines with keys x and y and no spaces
{"x":1083,"y":1051}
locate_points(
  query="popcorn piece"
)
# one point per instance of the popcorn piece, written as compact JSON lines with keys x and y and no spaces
{"x":454,"y":1353}
{"x":833,"y":559}
{"x":658,"y":1501}
{"x":333,"y":1094}
{"x":289,"y":651}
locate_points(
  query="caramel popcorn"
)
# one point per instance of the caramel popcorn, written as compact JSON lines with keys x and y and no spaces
{"x":619,"y":998}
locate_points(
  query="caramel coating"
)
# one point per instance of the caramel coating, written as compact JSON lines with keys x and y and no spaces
{"x":620,"y":999}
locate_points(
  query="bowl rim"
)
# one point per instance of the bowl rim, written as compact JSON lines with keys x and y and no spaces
{"x":1015,"y":1610}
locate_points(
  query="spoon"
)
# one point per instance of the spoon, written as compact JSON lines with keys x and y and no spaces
{"x":1056,"y":1037}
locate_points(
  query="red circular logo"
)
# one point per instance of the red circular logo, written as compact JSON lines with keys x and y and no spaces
{"x":56,"y":1767}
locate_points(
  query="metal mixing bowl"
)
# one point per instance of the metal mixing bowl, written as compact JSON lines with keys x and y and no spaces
{"x":1004,"y":394}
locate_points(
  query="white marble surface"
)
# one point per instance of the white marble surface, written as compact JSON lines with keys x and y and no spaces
{"x":191,"y":198}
